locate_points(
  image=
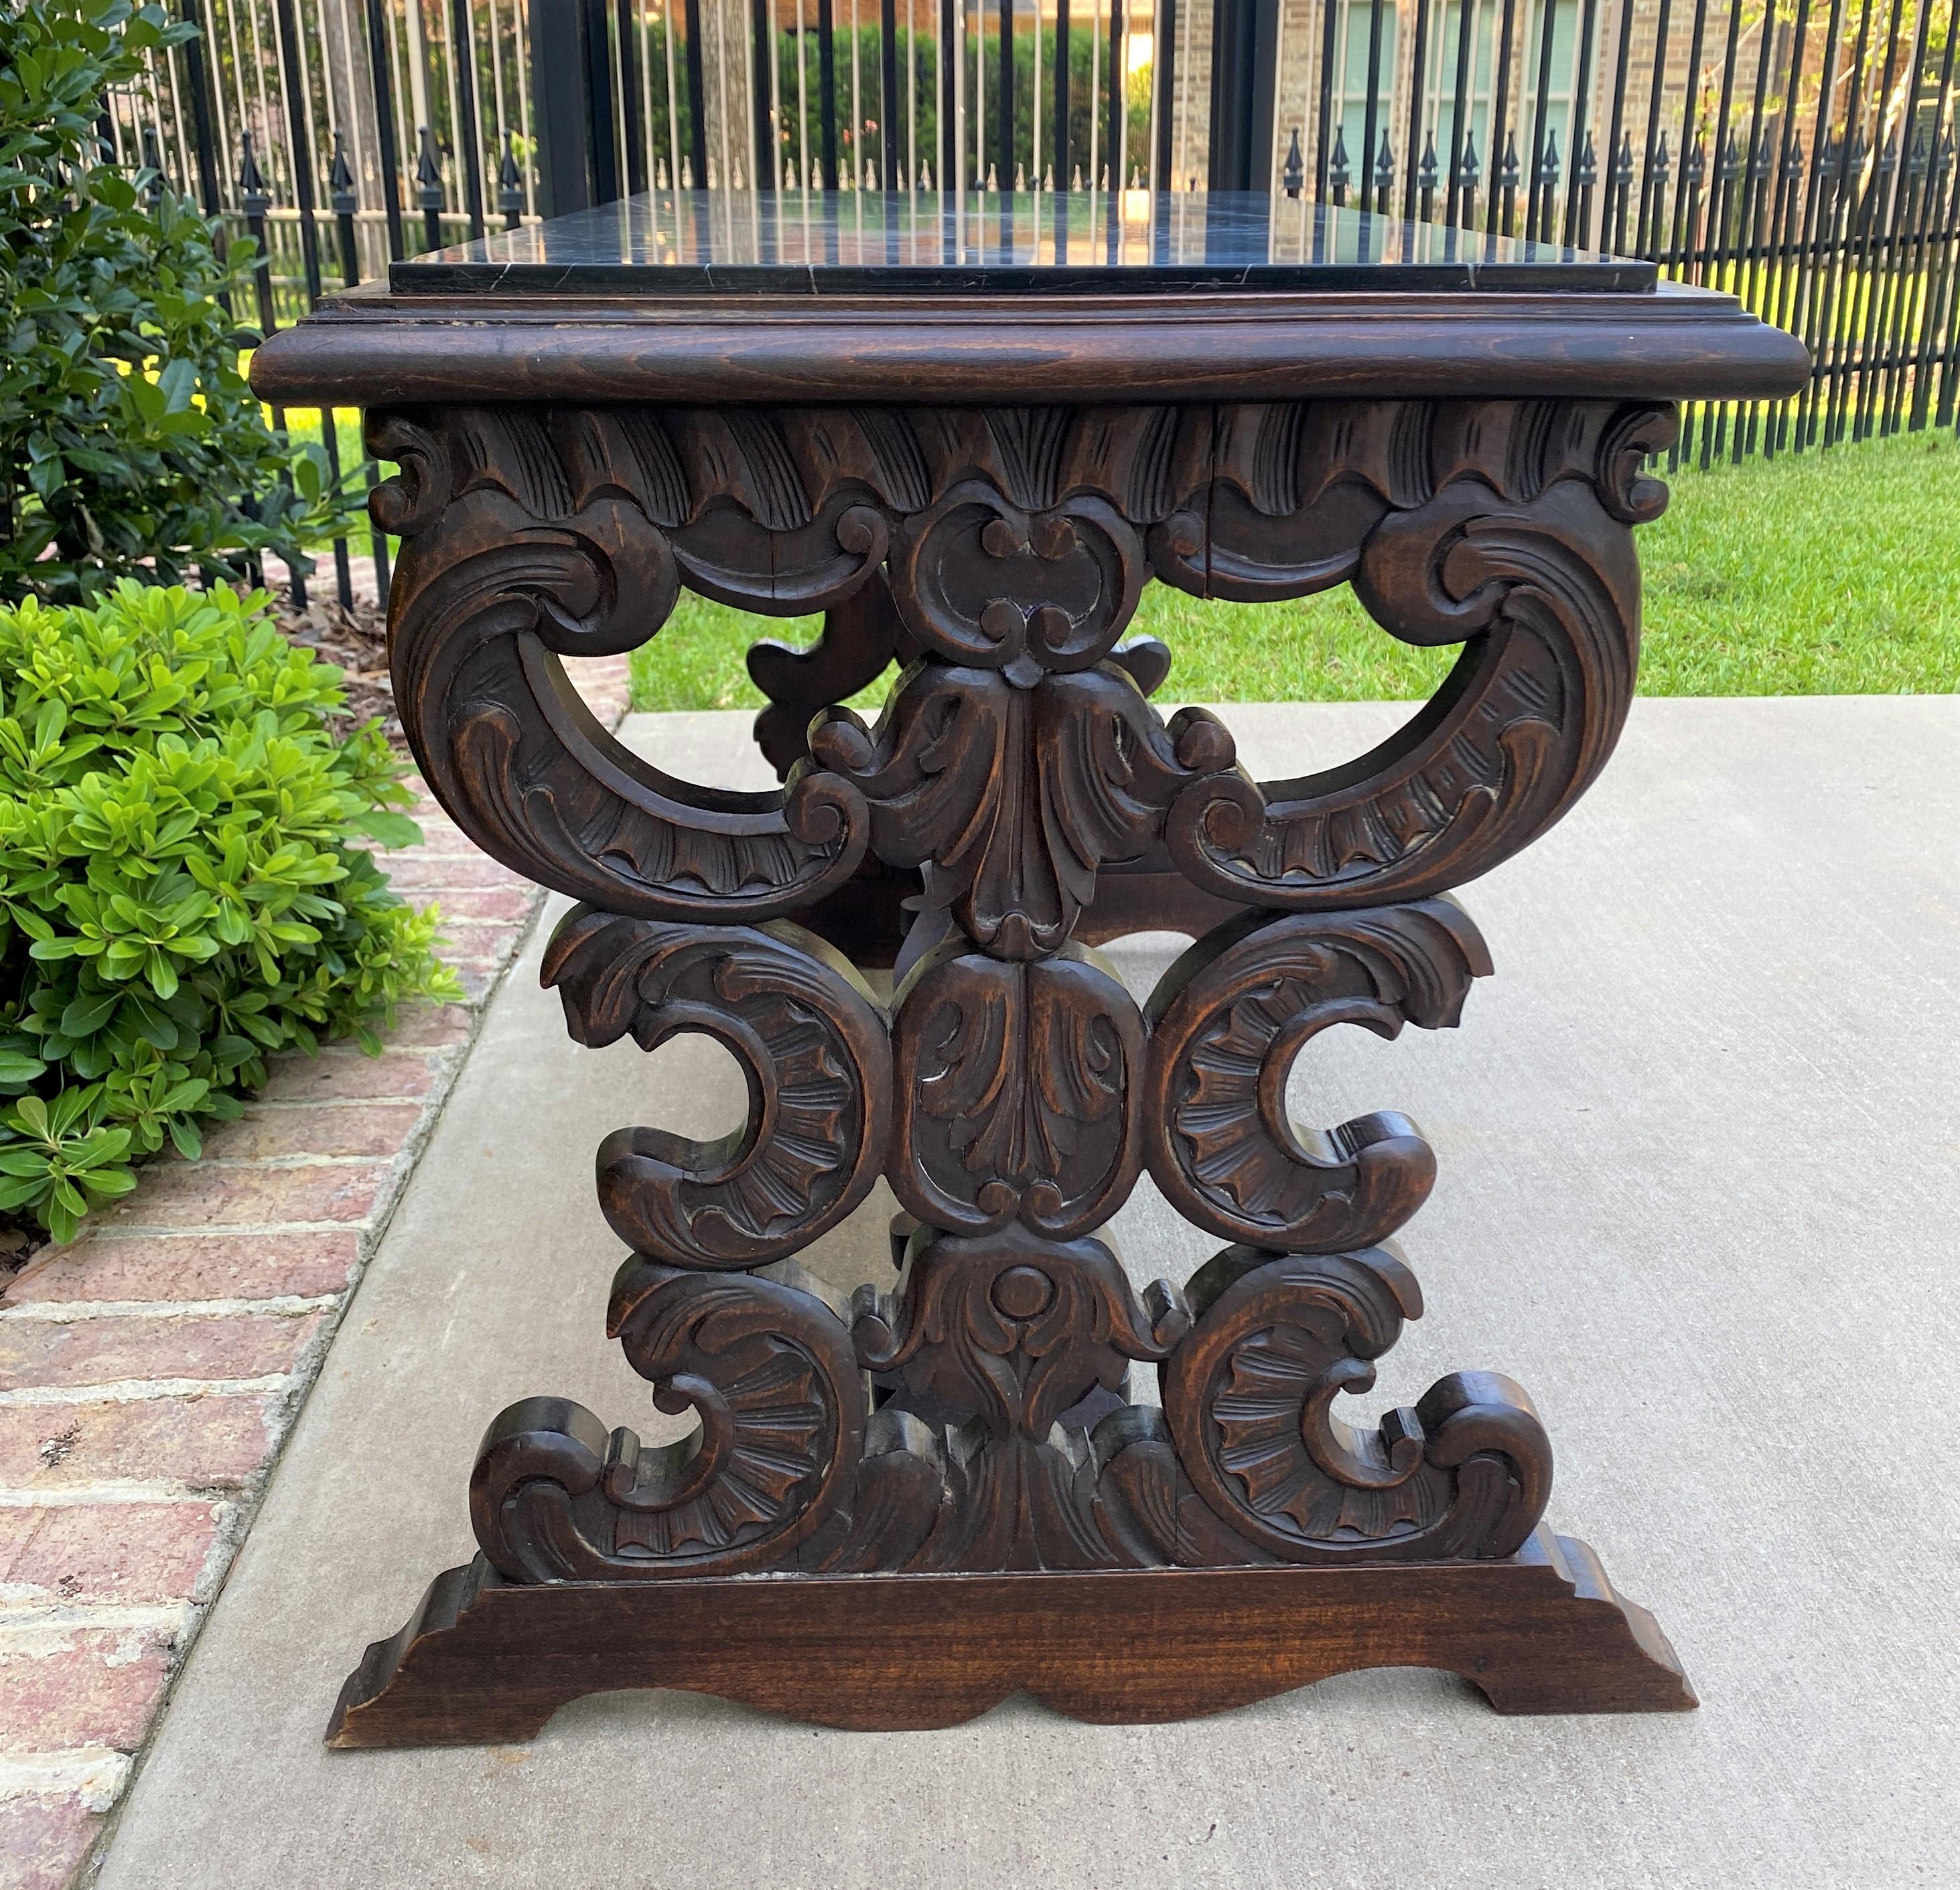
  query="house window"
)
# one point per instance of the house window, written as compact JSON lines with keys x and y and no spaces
{"x":1356,"y":32}
{"x":1484,"y":21}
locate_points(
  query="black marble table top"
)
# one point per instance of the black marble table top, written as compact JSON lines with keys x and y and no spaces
{"x":869,"y":242}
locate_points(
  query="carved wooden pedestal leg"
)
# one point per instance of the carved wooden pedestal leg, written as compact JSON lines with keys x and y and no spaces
{"x":894,"y":1511}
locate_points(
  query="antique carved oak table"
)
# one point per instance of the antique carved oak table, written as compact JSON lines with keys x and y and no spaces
{"x":970,"y":434}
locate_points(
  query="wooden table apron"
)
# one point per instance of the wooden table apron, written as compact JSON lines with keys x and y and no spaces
{"x":896,"y":1511}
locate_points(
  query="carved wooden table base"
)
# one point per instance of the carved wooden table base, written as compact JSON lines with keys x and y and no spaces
{"x":894,"y":1512}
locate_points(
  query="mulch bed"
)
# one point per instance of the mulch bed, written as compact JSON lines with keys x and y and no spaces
{"x":357,"y":640}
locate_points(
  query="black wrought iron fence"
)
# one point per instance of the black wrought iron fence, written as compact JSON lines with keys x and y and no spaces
{"x":1799,"y":153}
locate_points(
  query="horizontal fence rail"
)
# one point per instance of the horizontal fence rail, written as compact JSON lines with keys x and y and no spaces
{"x":1799,"y":154}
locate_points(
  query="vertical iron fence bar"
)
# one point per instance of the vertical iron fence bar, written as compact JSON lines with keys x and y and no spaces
{"x":761,"y":33}
{"x":1609,"y":154}
{"x":1468,"y":13}
{"x":1913,"y":330}
{"x":1620,"y":189}
{"x":385,"y":133}
{"x":1815,"y":185}
{"x":1939,"y":143}
{"x":1876,"y":405}
{"x":1369,"y":111}
{"x":945,"y":145}
{"x":1578,"y":138}
{"x":299,"y":142}
{"x":1547,"y":210}
{"x":1163,"y":85}
{"x":1726,"y":163}
{"x":1789,"y":180}
{"x":1893,"y":183}
{"x":1691,"y":133}
{"x":1063,"y":70}
{"x":668,"y":35}
{"x":1646,"y":234}
{"x":854,"y":159}
{"x":697,"y":95}
{"x":1856,"y":294}
{"x":1501,"y":148}
{"x":428,"y":190}
{"x":1323,"y":153}
{"x":632,"y":131}
{"x":255,"y":199}
{"x":1846,"y":263}
{"x":1785,"y":236}
{"x":826,"y":86}
{"x":888,"y":92}
{"x":511,"y":187}
{"x":1113,"y":149}
{"x":1816,"y":314}
{"x":1548,"y":12}
{"x":469,"y":133}
{"x":1950,"y":351}
{"x":1418,"y":113}
{"x":598,"y":117}
{"x":346,"y":202}
{"x":199,"y":75}
{"x":1754,"y":178}
{"x":1850,"y":156}
{"x":1003,"y":142}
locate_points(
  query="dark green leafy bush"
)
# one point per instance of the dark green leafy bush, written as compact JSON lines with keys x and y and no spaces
{"x":179,"y":896}
{"x":129,"y":442}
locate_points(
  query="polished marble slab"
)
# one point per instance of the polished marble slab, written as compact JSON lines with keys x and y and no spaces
{"x":900,"y":243}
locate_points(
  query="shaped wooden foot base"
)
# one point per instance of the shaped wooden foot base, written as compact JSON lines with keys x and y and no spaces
{"x":485,"y":1662}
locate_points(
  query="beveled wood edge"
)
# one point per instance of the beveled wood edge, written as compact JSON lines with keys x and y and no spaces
{"x":372,"y":348}
{"x":481,"y":1662}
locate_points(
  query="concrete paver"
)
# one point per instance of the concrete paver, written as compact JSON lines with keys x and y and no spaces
{"x":1699,"y":1149}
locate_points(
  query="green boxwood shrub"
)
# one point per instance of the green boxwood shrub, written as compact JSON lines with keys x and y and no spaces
{"x":180,"y":894}
{"x":129,"y":442}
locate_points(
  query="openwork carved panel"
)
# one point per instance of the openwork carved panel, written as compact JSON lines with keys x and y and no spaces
{"x":811,"y":1045}
{"x":976,"y":1417}
{"x":1229,"y":1021}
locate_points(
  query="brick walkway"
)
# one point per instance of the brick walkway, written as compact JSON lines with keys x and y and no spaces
{"x":150,"y":1372}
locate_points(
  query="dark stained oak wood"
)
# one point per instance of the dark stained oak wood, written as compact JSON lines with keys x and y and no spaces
{"x":366,"y":349}
{"x":896,"y":1511}
{"x":483,"y":1662}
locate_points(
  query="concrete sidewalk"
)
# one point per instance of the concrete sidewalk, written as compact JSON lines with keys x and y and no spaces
{"x":1700,"y":1156}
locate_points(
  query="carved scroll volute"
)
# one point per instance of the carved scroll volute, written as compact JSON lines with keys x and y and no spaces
{"x":1228,"y":1020}
{"x":811,"y":1042}
{"x":1015,"y":797}
{"x":512,"y":559}
{"x":981,"y":581}
{"x":1249,"y":1401}
{"x":765,"y":1362}
{"x":1544,"y":590}
{"x":1018,"y":1086}
{"x":1014,"y":1329}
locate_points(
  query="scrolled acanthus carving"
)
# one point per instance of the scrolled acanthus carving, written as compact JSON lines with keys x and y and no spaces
{"x":1499,"y":525}
{"x":1011,"y":1333}
{"x":1014,"y":1329}
{"x":514,"y":558}
{"x":1228,"y":1020}
{"x":1015,"y":797}
{"x":812,"y":1043}
{"x":1248,"y":1405}
{"x":984,"y":582}
{"x":765,"y":1362}
{"x":1018,"y":1086}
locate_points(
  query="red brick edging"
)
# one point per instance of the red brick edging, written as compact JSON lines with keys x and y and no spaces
{"x":150,"y":1374}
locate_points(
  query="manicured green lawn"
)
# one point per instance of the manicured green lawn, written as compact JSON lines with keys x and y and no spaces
{"x":1833,"y":573}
